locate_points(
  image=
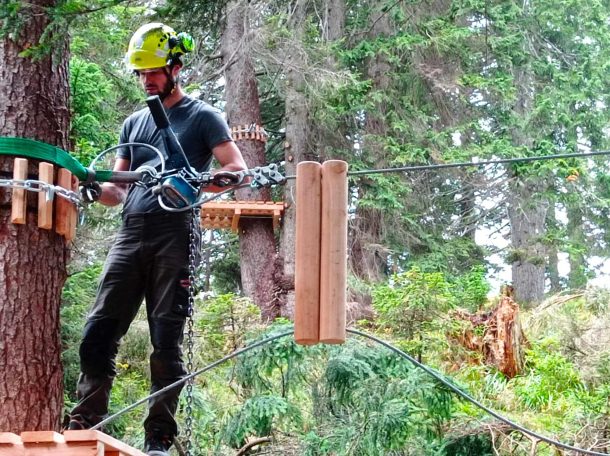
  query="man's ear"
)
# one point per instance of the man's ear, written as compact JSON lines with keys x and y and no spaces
{"x":176,"y":69}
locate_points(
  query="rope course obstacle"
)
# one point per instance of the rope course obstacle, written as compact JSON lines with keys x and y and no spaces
{"x":321,"y":252}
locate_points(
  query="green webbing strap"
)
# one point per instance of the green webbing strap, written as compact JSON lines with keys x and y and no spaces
{"x":24,"y":147}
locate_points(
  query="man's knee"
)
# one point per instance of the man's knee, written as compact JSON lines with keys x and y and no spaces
{"x":99,"y":347}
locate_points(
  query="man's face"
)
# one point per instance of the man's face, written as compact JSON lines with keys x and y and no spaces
{"x":156,"y":81}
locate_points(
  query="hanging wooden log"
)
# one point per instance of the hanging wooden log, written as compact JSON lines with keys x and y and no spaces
{"x":333,"y":252}
{"x":307,"y":253}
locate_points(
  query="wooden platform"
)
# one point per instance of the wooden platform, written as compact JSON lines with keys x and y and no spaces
{"x":226,"y":214}
{"x":71,"y":443}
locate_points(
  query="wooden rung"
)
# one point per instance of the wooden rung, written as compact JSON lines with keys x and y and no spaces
{"x":62,"y":213}
{"x":73,"y":211}
{"x":45,"y":206}
{"x":18,"y":209}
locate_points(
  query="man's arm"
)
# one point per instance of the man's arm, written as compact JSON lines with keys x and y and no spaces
{"x":229,"y":157}
{"x":114,"y":194}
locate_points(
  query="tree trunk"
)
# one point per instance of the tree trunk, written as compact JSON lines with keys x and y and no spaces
{"x":297,"y":142}
{"x":527,"y":207}
{"x":527,"y":213}
{"x":502,"y":342}
{"x":553,"y":254}
{"x":368,"y":259}
{"x":33,"y":104}
{"x":256,"y":239}
{"x":334,"y":19}
{"x":576,"y":237}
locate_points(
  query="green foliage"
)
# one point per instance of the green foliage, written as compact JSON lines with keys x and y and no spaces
{"x":259,"y":416}
{"x":94,"y":109}
{"x":11,"y":18}
{"x":479,"y":444}
{"x":225,"y":267}
{"x":411,"y":303}
{"x":550,"y":378}
{"x":225,"y":320}
{"x":378,"y":403}
{"x":471,"y":289}
{"x":77,"y":295}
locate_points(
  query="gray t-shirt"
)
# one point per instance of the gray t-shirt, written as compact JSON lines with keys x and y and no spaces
{"x":199,"y":128}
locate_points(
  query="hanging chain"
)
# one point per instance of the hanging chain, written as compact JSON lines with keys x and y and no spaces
{"x":194,"y":252}
{"x":40,"y":186}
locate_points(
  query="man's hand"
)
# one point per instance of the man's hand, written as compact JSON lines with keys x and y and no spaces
{"x":91,"y":192}
{"x":227,"y":178}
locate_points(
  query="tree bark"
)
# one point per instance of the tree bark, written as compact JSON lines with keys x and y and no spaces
{"x":33,"y":104}
{"x":553,"y":254}
{"x":577,"y":277}
{"x":503,"y":342}
{"x":527,"y":213}
{"x":527,"y":207}
{"x":256,"y":239}
{"x":367,"y":257}
{"x":296,"y":146}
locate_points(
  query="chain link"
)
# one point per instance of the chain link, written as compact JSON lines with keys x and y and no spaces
{"x":194,"y":252}
{"x":40,"y":186}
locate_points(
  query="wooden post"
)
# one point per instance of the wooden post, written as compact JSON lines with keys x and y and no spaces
{"x":19,"y":198}
{"x":307,"y":255}
{"x":333,"y":258}
{"x":45,"y":207}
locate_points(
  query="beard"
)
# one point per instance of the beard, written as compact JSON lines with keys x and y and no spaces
{"x":167,"y":89}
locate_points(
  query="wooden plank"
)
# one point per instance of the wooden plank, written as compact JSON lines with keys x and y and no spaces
{"x":10,"y":444}
{"x":333,"y":252}
{"x":62,"y":205}
{"x":12,"y":450}
{"x":42,"y":437}
{"x":45,"y":207}
{"x":19,"y":197}
{"x":307,"y":253}
{"x":109,"y":443}
{"x":73,"y":212}
{"x":62,"y":449}
{"x":9,"y":438}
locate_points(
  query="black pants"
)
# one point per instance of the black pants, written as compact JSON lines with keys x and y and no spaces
{"x":149,"y":259}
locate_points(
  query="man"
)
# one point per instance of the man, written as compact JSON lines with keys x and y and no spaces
{"x":150,"y":256}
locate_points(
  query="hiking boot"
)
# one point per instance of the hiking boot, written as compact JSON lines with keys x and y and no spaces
{"x":157,"y":444}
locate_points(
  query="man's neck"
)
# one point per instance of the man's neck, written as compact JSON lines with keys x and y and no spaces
{"x":173,"y":97}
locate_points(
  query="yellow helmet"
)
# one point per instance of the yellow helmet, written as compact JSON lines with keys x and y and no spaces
{"x":156,"y":45}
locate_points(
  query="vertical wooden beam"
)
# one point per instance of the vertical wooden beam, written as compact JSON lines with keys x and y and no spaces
{"x":45,"y":207}
{"x":333,"y":258}
{"x":19,"y":198}
{"x":307,"y":255}
{"x":62,"y":213}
